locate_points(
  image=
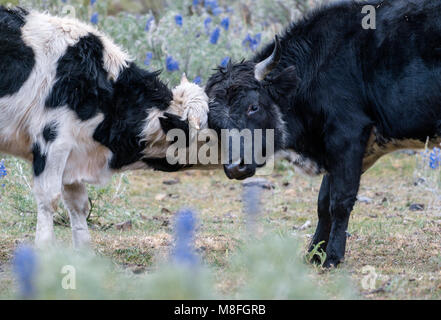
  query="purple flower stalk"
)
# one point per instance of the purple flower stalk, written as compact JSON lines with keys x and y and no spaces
{"x":251,"y":201}
{"x":171,"y":64}
{"x":3,"y":171}
{"x":148,"y":58}
{"x":224,"y":62}
{"x":183,"y":252}
{"x":251,"y":42}
{"x":94,"y":19}
{"x":24,"y":265}
{"x":207,"y":23}
{"x":435,"y":158}
{"x":214,"y":38}
{"x":225,"y":23}
{"x":179,"y":20}
{"x":197,"y":80}
{"x":149,"y":22}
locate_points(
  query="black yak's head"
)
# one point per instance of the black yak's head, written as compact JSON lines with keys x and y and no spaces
{"x":243,"y":97}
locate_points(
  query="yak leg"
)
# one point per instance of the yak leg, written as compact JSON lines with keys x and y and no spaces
{"x":48,"y":175}
{"x":77,"y":202}
{"x":324,"y":223}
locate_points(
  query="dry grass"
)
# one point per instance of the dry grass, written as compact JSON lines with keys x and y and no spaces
{"x":403,"y":246}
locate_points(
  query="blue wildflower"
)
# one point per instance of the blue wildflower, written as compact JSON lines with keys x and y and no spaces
{"x":251,"y":201}
{"x":24,"y":266}
{"x":251,"y":42}
{"x":184,"y":237}
{"x":211,"y":4}
{"x":171,"y":64}
{"x":195,"y":2}
{"x":198,"y":80}
{"x":179,"y":20}
{"x":217,"y":11}
{"x":149,"y":23}
{"x":224,"y":62}
{"x":3,"y":171}
{"x":148,"y":58}
{"x":435,"y":158}
{"x":92,"y":2}
{"x":207,"y":23}
{"x":215,"y":36}
{"x":225,"y":23}
{"x":94,"y":18}
{"x":229,"y":10}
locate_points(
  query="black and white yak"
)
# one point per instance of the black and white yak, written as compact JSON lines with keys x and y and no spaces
{"x":75,"y":105}
{"x":340,"y":96}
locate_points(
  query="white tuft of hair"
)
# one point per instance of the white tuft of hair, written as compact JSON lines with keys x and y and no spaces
{"x":191,"y":103}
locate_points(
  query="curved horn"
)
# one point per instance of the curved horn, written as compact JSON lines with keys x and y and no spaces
{"x":263,"y":68}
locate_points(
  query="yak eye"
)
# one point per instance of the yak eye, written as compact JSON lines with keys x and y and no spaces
{"x":253,"y":109}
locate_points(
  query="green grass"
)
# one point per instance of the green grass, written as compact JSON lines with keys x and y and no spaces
{"x":403,"y":246}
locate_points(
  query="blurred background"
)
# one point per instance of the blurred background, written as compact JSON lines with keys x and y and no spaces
{"x":191,"y":36}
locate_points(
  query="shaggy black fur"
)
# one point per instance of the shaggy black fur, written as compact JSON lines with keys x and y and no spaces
{"x":135,"y":92}
{"x":16,"y":59}
{"x":83,"y":85}
{"x":50,"y":132}
{"x":335,"y":84}
{"x":39,"y":160}
{"x":82,"y":82}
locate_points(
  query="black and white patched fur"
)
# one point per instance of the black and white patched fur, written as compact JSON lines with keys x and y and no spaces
{"x":75,"y":105}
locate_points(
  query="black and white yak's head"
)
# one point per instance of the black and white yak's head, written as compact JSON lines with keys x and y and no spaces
{"x":242,"y":96}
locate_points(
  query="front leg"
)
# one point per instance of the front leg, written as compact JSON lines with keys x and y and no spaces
{"x":48,"y":166}
{"x":324,"y":223}
{"x":344,"y":183}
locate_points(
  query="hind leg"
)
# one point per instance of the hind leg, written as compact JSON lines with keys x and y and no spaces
{"x":77,"y":202}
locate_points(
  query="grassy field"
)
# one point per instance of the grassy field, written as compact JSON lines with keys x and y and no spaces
{"x":402,"y":246}
{"x":132,"y":218}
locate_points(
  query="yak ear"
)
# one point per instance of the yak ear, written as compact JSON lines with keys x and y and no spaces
{"x":171,"y":121}
{"x":184,"y":79}
{"x":285,"y":81}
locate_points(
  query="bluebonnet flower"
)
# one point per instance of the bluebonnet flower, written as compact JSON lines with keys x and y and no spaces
{"x":171,"y":64}
{"x":251,"y":42}
{"x":198,"y":80}
{"x":148,"y":58}
{"x":211,"y":4}
{"x":224,"y":62}
{"x":179,"y":20}
{"x":24,"y":265}
{"x":184,"y":237}
{"x":251,"y":201}
{"x":3,"y":171}
{"x":207,"y":23}
{"x":94,"y":18}
{"x":435,"y":158}
{"x":215,"y":36}
{"x":217,"y":11}
{"x":225,"y":23}
{"x":195,"y":2}
{"x":92,"y":2}
{"x":149,"y":23}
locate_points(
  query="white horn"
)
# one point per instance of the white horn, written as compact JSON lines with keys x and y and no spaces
{"x":263,"y":68}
